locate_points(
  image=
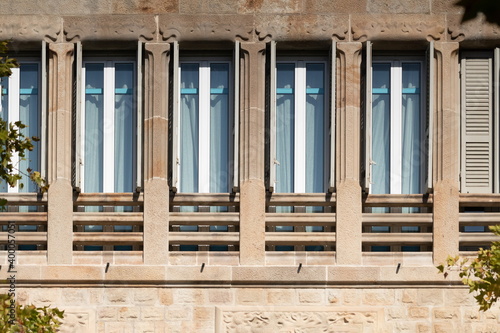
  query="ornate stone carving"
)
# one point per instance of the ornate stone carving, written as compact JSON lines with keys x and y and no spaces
{"x":476,"y":29}
{"x":205,"y":27}
{"x":301,"y":27}
{"x":299,"y":319}
{"x":30,"y":28}
{"x":397,"y":27}
{"x":117,"y":27}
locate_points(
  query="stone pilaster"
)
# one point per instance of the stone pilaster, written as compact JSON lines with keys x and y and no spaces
{"x":156,"y":189}
{"x":252,"y":121}
{"x":349,"y":206}
{"x":446,"y":151}
{"x":60,"y":194}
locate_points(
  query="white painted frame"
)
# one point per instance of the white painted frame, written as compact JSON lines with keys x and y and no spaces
{"x":396,"y":93}
{"x":109,"y":119}
{"x":13,"y":106}
{"x":300,"y":119}
{"x":204,"y":119}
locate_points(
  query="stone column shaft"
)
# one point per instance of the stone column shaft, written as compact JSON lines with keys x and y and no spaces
{"x":349,"y":205}
{"x":60,"y":193}
{"x":252,"y":127}
{"x":446,"y":152}
{"x":156,"y":189}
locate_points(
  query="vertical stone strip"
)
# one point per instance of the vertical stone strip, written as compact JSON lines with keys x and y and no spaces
{"x":252,"y":188}
{"x":60,"y":194}
{"x":447,"y":154}
{"x":156,"y":189}
{"x":349,"y":205}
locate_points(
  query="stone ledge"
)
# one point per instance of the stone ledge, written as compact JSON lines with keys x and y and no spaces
{"x":232,"y":275}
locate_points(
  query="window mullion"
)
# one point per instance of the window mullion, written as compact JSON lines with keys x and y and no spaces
{"x":204,"y":129}
{"x":13,"y":110}
{"x":109,"y":128}
{"x":396,"y":127}
{"x":300,"y":128}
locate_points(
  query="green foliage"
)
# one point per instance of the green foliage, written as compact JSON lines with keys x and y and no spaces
{"x":6,"y":63}
{"x":12,"y":140}
{"x":481,"y":274}
{"x":28,"y":318}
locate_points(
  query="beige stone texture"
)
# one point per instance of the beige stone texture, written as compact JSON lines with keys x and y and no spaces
{"x":312,"y":296}
{"x":250,"y":296}
{"x":398,"y":7}
{"x":419,"y":312}
{"x":379,"y":297}
{"x":220,"y":296}
{"x":402,"y":27}
{"x":282,"y":27}
{"x":335,"y":6}
{"x":282,"y":296}
{"x":348,"y":136}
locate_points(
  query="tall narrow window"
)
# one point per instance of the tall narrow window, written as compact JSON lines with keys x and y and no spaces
{"x":301,"y":118}
{"x":398,"y":149}
{"x":205,"y":127}
{"x":108,"y":126}
{"x":21,"y":102}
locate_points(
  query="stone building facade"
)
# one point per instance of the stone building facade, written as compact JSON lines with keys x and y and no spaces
{"x":391,"y":107}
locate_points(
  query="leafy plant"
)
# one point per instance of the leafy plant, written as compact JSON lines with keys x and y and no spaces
{"x":15,"y":318}
{"x":481,"y":274}
{"x":12,"y":140}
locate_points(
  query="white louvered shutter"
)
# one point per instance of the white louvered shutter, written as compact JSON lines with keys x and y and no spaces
{"x":333,"y":105}
{"x":368,"y":117}
{"x":476,"y":121}
{"x":429,"y":116}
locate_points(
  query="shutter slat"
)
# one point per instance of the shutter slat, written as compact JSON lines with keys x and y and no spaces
{"x":477,"y":113}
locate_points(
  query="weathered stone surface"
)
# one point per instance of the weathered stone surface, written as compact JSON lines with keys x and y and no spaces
{"x":282,"y":318}
{"x":30,"y":28}
{"x":386,"y":27}
{"x":117,"y":27}
{"x":398,"y":6}
{"x":472,"y":31}
{"x":335,"y":6}
{"x":304,"y":27}
{"x":208,"y":28}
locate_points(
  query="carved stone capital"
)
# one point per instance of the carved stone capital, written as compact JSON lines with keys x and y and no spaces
{"x":301,"y":27}
{"x":205,"y":27}
{"x":117,"y":27}
{"x":401,"y":27}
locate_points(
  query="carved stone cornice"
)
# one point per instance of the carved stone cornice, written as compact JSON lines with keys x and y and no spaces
{"x":109,"y":27}
{"x":26,"y":28}
{"x":388,"y":27}
{"x":476,"y":29}
{"x":301,"y":27}
{"x":185,"y":27}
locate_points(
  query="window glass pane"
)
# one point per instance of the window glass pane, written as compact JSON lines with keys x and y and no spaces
{"x":411,"y":130}
{"x":381,"y":127}
{"x":124,"y":127}
{"x":29,"y":115}
{"x":189,"y":105}
{"x":93,"y":228}
{"x":315,"y":128}
{"x":285,"y":85}
{"x":94,"y":117}
{"x":219,"y":128}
